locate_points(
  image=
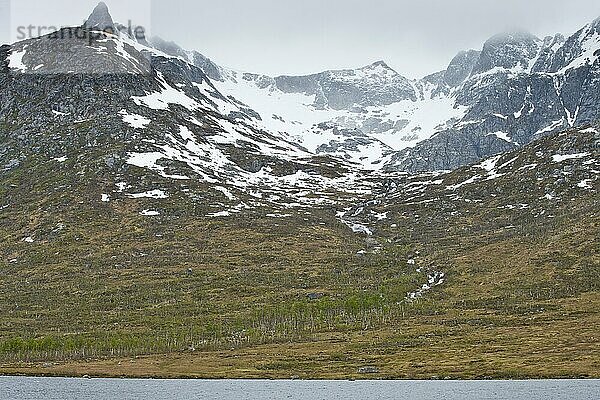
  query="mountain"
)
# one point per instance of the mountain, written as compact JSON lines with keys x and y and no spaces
{"x":140,"y":108}
{"x":375,"y":101}
{"x":374,"y":85}
{"x":507,"y":51}
{"x":212,"y":70}
{"x":460,"y":68}
{"x":542,"y":87}
{"x":302,"y":108}
{"x":515,"y":89}
{"x":100,"y":19}
{"x":164,"y":216}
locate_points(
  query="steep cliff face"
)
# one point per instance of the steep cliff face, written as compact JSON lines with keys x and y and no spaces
{"x":520,"y":88}
{"x":461,"y":67}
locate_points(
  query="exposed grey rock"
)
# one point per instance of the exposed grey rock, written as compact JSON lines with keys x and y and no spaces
{"x":11,"y":164}
{"x":315,"y":296}
{"x":448,"y":150}
{"x":435,"y":80}
{"x":547,"y":53}
{"x":461,"y":67}
{"x":570,"y":49}
{"x":100,"y":19}
{"x":349,"y":143}
{"x":79,"y":51}
{"x":368,"y":370}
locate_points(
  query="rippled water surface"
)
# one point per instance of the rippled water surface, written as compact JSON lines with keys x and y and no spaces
{"x":17,"y":388}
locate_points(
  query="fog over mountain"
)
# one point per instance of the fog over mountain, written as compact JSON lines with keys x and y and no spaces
{"x":274,"y":37}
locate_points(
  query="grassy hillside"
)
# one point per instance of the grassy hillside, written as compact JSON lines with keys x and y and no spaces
{"x":100,"y":289}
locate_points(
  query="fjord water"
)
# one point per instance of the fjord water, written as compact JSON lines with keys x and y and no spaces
{"x":20,"y":388}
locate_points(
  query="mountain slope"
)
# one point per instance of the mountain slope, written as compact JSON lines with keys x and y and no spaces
{"x":490,"y":277}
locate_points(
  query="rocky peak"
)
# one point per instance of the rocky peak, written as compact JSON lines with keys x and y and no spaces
{"x":378,"y":64}
{"x":377,"y":69}
{"x":508,"y":50}
{"x":556,"y":40}
{"x":594,"y":28}
{"x":167,"y":47}
{"x":511,"y":37}
{"x":460,"y":67}
{"x":549,"y":48}
{"x":193,"y":57}
{"x":581,"y":48}
{"x":100,"y":19}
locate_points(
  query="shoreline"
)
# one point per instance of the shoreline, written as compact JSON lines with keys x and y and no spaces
{"x":93,"y":370}
{"x":183,"y":378}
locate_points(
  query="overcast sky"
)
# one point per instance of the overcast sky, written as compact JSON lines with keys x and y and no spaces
{"x":298,"y":37}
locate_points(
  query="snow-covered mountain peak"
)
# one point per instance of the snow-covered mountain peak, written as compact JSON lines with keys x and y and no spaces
{"x":379,"y":68}
{"x":504,"y":95}
{"x":376,"y":73}
{"x":379,"y":63}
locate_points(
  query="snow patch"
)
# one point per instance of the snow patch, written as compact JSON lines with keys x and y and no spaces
{"x":501,"y":135}
{"x":219,"y":214}
{"x":15,"y":60}
{"x":554,"y":125}
{"x":358,"y":228}
{"x":149,"y":213}
{"x":467,"y":182}
{"x":558,"y":158}
{"x":225,"y":192}
{"x":151,"y":194}
{"x":169,"y":95}
{"x":134,"y":120}
{"x":490,"y":163}
{"x":585,"y":184}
